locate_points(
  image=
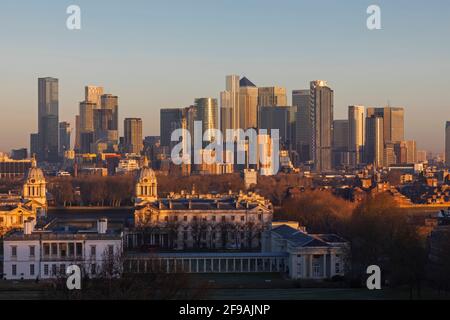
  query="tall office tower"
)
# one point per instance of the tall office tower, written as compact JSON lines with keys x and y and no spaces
{"x":111,"y":102}
{"x":321,"y":124}
{"x":103,"y":119}
{"x":170,"y":120}
{"x":248,"y":104}
{"x":48,"y":113}
{"x":340,"y":143}
{"x":275,"y":118}
{"x":207,"y":110}
{"x":93,"y":94}
{"x":34,"y":144}
{"x":302,"y":100}
{"x":356,"y":134}
{"x":133,"y":135}
{"x":64,"y":138}
{"x":87,"y":116}
{"x":411,"y":151}
{"x":374,"y":148}
{"x":393,"y":118}
{"x":229,"y":104}
{"x":272,"y":96}
{"x":447,"y":143}
{"x":226,"y":111}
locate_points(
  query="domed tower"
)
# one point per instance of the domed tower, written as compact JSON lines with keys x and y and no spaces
{"x":146,"y":186}
{"x":34,"y":188}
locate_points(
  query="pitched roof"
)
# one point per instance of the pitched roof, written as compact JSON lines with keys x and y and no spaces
{"x":299,"y":238}
{"x":244,"y":82}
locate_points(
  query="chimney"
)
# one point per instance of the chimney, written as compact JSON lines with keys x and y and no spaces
{"x":28,"y":227}
{"x":102,"y":225}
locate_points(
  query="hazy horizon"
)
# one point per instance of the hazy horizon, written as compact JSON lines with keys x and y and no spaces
{"x":157,"y":55}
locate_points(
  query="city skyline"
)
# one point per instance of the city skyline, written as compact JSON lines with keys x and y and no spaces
{"x":381,"y":68}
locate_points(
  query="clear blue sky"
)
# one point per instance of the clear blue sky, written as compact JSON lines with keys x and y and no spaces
{"x":156,"y":54}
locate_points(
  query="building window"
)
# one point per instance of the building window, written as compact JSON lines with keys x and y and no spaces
{"x":242,"y":218}
{"x":175,"y":218}
{"x":62,"y":269}
{"x":63,"y":250}
{"x":32,"y":251}
{"x":46,"y":269}
{"x":316,"y":269}
{"x":110,"y":250}
{"x":14,"y":251}
{"x":46,"y":249}
{"x":14,"y":270}
{"x":93,"y":251}
{"x":223,"y":218}
{"x":31,"y":269}
{"x":232,"y":218}
{"x":213,"y":218}
{"x":93,"y":268}
{"x":185,"y":218}
{"x":71,"y":249}
{"x":54,"y":269}
{"x":79,"y":249}
{"x":54,"y":249}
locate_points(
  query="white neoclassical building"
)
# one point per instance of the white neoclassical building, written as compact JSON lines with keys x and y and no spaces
{"x":310,"y":256}
{"x":46,"y":253}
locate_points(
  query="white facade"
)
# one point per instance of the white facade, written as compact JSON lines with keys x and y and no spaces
{"x":46,"y":254}
{"x":311,"y":256}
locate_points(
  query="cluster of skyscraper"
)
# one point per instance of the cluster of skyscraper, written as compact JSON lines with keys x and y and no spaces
{"x":97,"y":129}
{"x":307,"y":128}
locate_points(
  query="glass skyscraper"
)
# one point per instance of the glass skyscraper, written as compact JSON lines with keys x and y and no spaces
{"x":48,"y":119}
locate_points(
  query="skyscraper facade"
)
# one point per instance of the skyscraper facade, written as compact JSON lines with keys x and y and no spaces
{"x":229,"y":103}
{"x":272,"y":96}
{"x":86,"y":116}
{"x":356,"y":134}
{"x":207,"y":112}
{"x":374,"y":149}
{"x":170,"y":120}
{"x":111,"y":102}
{"x":322,"y":101}
{"x":93,"y":94}
{"x":275,"y":118}
{"x":302,"y":100}
{"x":340,"y":143}
{"x":411,"y":151}
{"x":64,"y":138}
{"x":248,"y":104}
{"x":48,"y":119}
{"x":133,"y":135}
{"x":393,"y":119}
